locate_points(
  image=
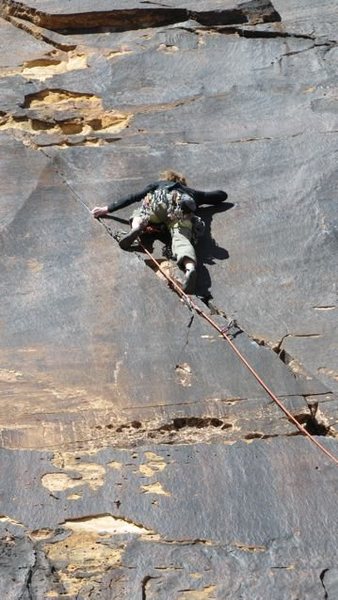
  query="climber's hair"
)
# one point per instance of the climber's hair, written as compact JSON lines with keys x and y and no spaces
{"x":173,"y":176}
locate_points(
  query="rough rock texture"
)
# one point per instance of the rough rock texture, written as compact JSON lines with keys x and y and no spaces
{"x":140,"y":458}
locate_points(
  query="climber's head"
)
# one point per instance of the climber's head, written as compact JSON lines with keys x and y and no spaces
{"x":173,"y":176}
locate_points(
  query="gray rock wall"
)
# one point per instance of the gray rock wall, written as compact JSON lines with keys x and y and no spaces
{"x":140,"y":458}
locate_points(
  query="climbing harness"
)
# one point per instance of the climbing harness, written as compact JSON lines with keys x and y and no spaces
{"x":224,"y":332}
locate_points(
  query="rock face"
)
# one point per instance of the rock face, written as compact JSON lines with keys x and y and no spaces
{"x":140,"y":458}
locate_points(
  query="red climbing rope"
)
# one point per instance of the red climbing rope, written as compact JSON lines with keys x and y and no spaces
{"x":191,"y":304}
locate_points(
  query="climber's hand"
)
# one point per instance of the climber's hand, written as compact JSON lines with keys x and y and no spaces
{"x":99,"y":211}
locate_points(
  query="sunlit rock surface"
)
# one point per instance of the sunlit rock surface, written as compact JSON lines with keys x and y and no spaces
{"x":140,"y":458}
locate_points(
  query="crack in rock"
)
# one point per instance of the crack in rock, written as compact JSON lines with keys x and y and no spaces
{"x":144,"y":583}
{"x":310,"y":422}
{"x":263,"y":34}
{"x":322,"y":577}
{"x":52,"y":63}
{"x":254,"y":11}
{"x":106,"y":524}
{"x":292,"y":363}
{"x":195,"y":422}
{"x":61,"y":117}
{"x":296,"y":367}
{"x":37,"y":32}
{"x":28,"y":582}
{"x":326,"y":45}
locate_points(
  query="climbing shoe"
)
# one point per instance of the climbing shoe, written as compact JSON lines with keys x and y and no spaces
{"x":128,"y":239}
{"x":189,"y":282}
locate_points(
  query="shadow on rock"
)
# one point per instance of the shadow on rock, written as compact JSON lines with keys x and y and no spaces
{"x":207,"y":249}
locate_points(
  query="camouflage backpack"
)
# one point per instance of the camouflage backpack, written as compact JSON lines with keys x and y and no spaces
{"x":164,"y":204}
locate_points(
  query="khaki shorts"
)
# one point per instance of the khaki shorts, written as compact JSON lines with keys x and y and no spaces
{"x":181,"y":234}
{"x":181,"y":243}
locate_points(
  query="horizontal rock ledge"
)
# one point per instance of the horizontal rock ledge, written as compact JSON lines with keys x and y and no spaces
{"x":136,"y":17}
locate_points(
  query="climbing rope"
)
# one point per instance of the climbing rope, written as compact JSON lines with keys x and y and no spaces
{"x":224,"y":333}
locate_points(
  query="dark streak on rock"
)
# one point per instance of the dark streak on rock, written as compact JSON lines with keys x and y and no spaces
{"x":259,"y":436}
{"x":322,"y":576}
{"x":144,"y":583}
{"x":254,"y":11}
{"x":196,"y":422}
{"x":257,"y":33}
{"x":28,"y":585}
{"x":143,"y":586}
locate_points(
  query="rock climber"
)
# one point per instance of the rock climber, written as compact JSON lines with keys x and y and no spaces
{"x":172,"y":203}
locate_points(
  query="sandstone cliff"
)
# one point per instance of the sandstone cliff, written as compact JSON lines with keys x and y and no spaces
{"x":140,"y":458}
